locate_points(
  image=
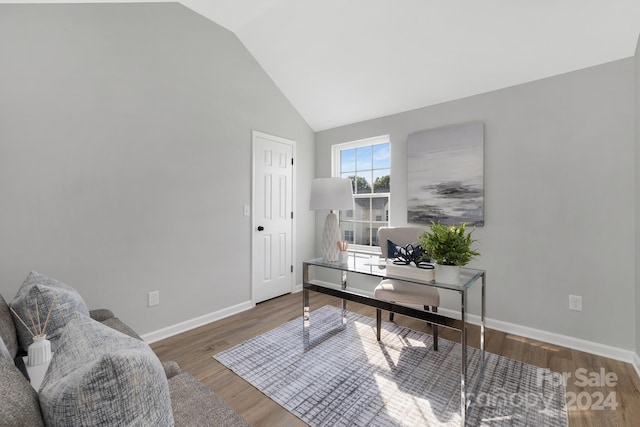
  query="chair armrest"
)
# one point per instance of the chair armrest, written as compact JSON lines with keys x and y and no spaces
{"x":101,"y":314}
{"x":171,"y":368}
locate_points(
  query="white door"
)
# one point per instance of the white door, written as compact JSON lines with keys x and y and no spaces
{"x":272,"y":241}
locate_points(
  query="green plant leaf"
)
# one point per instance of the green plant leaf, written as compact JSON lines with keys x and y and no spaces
{"x":448,"y":244}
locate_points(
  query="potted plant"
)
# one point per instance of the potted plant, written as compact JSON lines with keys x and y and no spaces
{"x":450,"y":247}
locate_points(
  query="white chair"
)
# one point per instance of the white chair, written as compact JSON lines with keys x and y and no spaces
{"x":399,"y":291}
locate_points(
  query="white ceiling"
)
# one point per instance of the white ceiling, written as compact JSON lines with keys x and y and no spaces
{"x":344,"y":61}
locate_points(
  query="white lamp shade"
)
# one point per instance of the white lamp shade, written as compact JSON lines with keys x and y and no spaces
{"x":331,"y":194}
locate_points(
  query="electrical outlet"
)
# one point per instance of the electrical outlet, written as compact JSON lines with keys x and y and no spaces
{"x":575,"y":303}
{"x":153,"y":298}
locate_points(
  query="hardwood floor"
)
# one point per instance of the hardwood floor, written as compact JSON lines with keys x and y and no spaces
{"x":192,"y":350}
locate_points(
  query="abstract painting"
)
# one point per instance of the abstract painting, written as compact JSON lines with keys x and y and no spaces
{"x":446,"y":175}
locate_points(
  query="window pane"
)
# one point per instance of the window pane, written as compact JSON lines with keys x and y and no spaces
{"x":347,"y":231}
{"x":348,"y":160}
{"x":379,"y":208}
{"x":346,"y":215}
{"x":362,"y":184}
{"x":381,"y":181}
{"x":363,"y":209}
{"x":362,"y":234}
{"x":381,"y":156}
{"x":367,"y":164}
{"x":363,"y":157}
{"x":374,"y":234}
{"x":369,"y":177}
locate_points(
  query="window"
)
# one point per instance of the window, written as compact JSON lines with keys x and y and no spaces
{"x":367,"y":163}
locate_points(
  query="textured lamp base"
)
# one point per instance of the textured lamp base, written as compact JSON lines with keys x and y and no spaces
{"x":330,"y":237}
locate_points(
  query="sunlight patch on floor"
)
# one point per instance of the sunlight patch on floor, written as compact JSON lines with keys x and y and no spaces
{"x":390,"y":345}
{"x":404,"y":407}
{"x":546,"y":346}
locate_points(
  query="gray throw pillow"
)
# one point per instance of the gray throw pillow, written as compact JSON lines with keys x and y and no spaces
{"x":99,"y":376}
{"x":8,"y":329}
{"x":18,"y":400}
{"x":45,"y":290}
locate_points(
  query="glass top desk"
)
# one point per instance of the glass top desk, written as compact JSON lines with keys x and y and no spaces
{"x":371,"y":266}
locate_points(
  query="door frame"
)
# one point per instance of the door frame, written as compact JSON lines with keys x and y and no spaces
{"x":292,"y":143}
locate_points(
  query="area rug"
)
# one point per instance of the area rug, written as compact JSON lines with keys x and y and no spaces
{"x":347,"y":378}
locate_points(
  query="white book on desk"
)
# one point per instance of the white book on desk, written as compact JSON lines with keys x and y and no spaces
{"x":410,"y":271}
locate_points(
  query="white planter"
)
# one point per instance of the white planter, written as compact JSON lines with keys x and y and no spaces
{"x":449,"y":274}
{"x":39,"y":351}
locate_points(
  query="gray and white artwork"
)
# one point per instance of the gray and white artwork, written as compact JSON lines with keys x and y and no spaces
{"x":446,"y":175}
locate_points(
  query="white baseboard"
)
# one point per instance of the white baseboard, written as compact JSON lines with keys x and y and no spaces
{"x":187,"y":325}
{"x":636,"y":363}
{"x":551,"y":338}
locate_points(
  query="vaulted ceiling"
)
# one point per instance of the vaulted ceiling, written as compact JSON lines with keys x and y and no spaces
{"x":344,"y":61}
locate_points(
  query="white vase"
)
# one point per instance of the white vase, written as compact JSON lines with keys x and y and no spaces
{"x":39,"y":351}
{"x":449,"y":274}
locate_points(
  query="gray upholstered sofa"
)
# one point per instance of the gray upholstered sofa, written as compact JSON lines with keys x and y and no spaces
{"x":101,"y":372}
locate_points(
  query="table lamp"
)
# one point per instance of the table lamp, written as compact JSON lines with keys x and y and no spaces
{"x":331,"y":194}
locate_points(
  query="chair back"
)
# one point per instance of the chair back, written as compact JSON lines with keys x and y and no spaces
{"x":402,"y":236}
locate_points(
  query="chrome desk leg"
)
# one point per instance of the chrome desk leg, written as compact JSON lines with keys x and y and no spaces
{"x":463,"y":362}
{"x":484,"y":280}
{"x":305,"y":309}
{"x":343,"y":285}
{"x":305,"y":319}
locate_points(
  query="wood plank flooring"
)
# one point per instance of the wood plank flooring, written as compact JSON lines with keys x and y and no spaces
{"x":192,"y":350}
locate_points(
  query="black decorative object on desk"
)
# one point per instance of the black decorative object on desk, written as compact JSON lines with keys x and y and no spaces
{"x":407,"y":255}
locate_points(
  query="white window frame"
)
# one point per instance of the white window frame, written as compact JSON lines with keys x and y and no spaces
{"x":335,"y":172}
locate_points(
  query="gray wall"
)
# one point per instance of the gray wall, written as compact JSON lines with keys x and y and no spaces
{"x":125,"y":156}
{"x":636,"y":71}
{"x":559,"y":197}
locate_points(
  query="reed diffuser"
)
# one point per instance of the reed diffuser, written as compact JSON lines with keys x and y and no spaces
{"x":40,"y":350}
{"x":343,"y":245}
